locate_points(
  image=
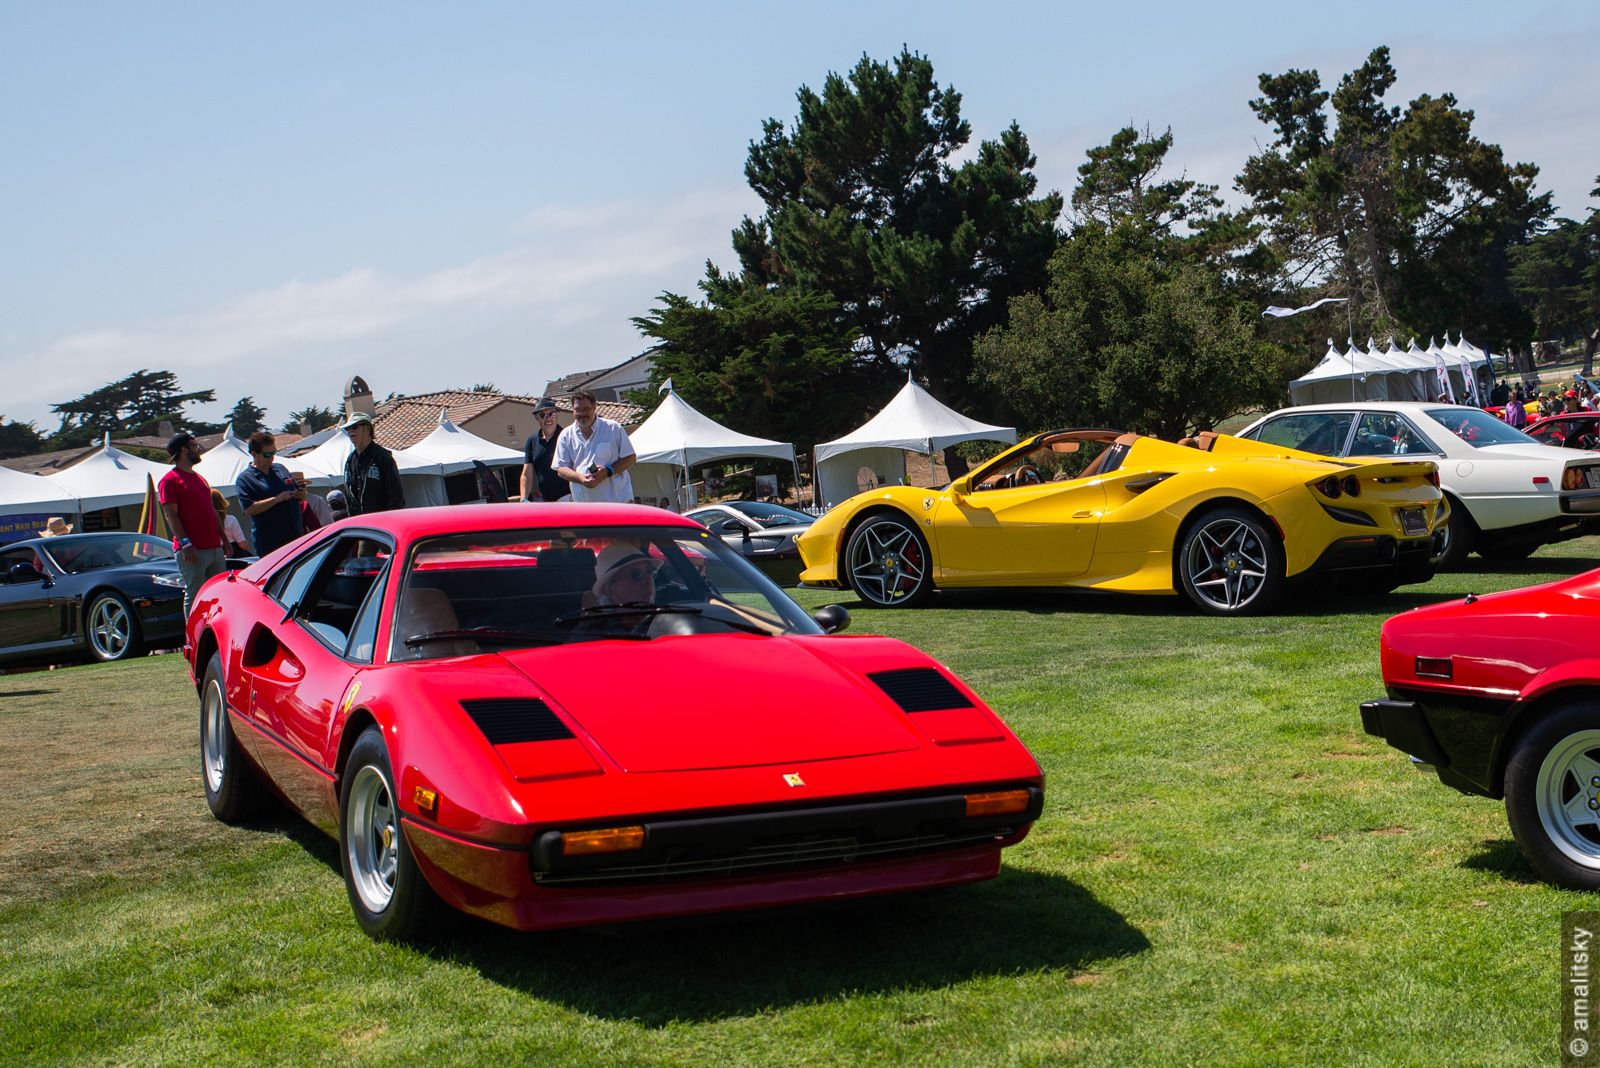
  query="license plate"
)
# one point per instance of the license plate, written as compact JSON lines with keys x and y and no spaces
{"x":1591,"y":476}
{"x":1413,"y":522}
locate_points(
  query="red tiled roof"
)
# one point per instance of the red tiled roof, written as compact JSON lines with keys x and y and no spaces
{"x":404,"y":421}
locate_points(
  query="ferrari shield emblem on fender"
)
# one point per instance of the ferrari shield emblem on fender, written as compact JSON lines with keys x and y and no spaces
{"x":794,"y":780}
{"x":927,"y":503}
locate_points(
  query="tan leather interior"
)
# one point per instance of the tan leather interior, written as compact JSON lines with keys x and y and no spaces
{"x":428,"y":611}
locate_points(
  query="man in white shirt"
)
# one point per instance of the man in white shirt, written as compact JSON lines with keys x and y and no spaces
{"x":594,"y":454}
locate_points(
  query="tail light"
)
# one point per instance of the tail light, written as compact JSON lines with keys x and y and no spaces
{"x":1330,"y":488}
{"x":1352,"y":486}
{"x":1433,"y":477}
{"x":1572,"y":478}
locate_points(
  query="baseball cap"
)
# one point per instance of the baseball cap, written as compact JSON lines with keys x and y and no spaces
{"x":178,"y":441}
{"x":1571,"y":393}
{"x":545,"y":405}
{"x":356,"y":420}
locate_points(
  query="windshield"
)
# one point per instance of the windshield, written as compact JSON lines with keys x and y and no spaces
{"x":1477,"y":427}
{"x":471,"y":593}
{"x":771,"y":515}
{"x":90,"y":552}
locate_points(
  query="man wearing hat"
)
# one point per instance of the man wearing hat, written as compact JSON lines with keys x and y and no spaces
{"x":196,"y":528}
{"x":371,"y":478}
{"x":623,"y":574}
{"x":539,"y":480}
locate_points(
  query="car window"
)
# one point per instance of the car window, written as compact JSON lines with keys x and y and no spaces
{"x":15,"y":556}
{"x":770,"y":515}
{"x":1319,"y":432}
{"x":339,"y":587}
{"x":289,"y":585}
{"x":364,"y":633}
{"x":1477,"y":427}
{"x":707,"y":517}
{"x":1386,"y":434}
{"x":76,"y":555}
{"x":1057,"y":461}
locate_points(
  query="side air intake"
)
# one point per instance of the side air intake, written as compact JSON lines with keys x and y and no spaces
{"x":919,"y":689}
{"x":505,"y":720}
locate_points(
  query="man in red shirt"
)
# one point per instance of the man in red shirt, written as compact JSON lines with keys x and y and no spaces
{"x":196,"y":529}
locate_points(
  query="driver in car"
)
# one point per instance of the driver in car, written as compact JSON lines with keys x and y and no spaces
{"x":624,"y":575}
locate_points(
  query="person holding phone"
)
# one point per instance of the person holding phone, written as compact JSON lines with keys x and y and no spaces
{"x":270,"y":496}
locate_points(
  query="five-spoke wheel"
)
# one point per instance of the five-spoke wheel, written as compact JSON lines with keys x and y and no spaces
{"x":390,"y":896}
{"x":887,"y":562}
{"x":1552,"y":789}
{"x":112,"y":628}
{"x":233,"y":790}
{"x":1230,"y":564}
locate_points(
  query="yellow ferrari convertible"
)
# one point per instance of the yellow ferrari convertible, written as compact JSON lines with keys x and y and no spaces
{"x":1228,"y":522}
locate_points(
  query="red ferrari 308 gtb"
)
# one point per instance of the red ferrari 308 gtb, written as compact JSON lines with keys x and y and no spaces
{"x":1500,"y":695}
{"x":551,"y":715}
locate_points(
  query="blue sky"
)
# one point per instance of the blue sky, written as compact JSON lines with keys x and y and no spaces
{"x":267,"y":200}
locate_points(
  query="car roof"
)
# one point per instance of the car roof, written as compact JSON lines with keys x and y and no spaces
{"x":1376,"y":406}
{"x":410,"y":523}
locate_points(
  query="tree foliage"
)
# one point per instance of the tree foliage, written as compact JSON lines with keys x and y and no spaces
{"x":871,"y":237}
{"x":1557,"y":275}
{"x":772,"y":362}
{"x":137,"y":404}
{"x":1405,"y":211}
{"x":246,"y":417}
{"x":1139,"y":326}
{"x":316,"y":418}
{"x":19,"y":439}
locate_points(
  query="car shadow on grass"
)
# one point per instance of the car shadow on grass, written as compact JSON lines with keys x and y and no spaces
{"x":1050,"y":602}
{"x":744,"y":963}
{"x":1502,"y":857}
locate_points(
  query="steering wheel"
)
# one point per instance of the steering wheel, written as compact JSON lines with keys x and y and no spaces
{"x":1026,"y":475}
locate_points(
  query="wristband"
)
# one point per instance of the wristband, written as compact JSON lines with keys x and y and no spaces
{"x":610,"y":473}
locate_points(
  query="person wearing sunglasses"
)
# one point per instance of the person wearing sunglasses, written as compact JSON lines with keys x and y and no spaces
{"x":539,"y":480}
{"x":270,"y":496}
{"x":624,"y":575}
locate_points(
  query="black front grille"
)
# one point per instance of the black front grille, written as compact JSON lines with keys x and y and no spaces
{"x":504,"y":720}
{"x":801,"y":853}
{"x":919,"y":689}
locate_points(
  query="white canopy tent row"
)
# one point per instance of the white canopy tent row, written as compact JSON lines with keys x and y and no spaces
{"x":222,"y":464}
{"x":676,"y":438}
{"x":912,"y":422}
{"x":1394,"y":374}
{"x":23,"y":495}
{"x":447,"y":450}
{"x":108,"y":478}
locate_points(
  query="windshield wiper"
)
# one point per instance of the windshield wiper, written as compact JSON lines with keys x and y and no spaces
{"x":494,"y":635}
{"x":632,"y":608}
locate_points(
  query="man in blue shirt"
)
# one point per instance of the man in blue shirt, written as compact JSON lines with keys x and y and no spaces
{"x":270,"y":497}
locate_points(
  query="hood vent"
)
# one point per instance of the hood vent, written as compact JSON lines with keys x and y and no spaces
{"x":506,"y":720}
{"x":919,"y":689}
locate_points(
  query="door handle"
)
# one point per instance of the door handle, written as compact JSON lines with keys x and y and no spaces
{"x":1082,"y":513}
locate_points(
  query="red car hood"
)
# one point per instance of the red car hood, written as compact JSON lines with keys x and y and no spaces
{"x":774,"y":702}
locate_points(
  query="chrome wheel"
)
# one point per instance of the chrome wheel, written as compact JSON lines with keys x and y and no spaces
{"x":1567,"y":797}
{"x":372,"y":839}
{"x":888,"y":563}
{"x":110,"y":628}
{"x":1226,"y":563}
{"x":213,"y":734}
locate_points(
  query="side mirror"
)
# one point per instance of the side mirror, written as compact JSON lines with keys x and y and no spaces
{"x":23,"y":572}
{"x":961,"y":487}
{"x":832,"y":618}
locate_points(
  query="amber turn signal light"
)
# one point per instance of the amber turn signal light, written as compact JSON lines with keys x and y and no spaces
{"x":997,"y":803}
{"x":426,"y":800}
{"x":605,"y":840}
{"x":1435,"y":667}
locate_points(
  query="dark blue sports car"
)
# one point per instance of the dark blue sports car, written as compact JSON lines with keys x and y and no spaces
{"x":112,"y":594}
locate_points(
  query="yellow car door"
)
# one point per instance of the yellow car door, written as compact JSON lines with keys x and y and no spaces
{"x":1024,"y":535}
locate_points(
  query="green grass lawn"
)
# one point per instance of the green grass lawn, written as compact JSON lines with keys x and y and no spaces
{"x":1227,"y":871}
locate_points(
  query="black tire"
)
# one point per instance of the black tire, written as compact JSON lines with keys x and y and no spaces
{"x":887,"y":562}
{"x":1230,"y":564}
{"x":111,"y":628}
{"x":1460,"y":533}
{"x":1543,"y":789}
{"x":391,"y":897}
{"x":234,"y":789}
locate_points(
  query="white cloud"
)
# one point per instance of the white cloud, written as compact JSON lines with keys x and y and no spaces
{"x":557,"y":303}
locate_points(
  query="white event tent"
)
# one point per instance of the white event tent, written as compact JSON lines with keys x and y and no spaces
{"x":676,"y":438}
{"x":912,"y":422}
{"x":447,"y":450}
{"x":1391,"y":374}
{"x":222,"y":464}
{"x":323,"y":466}
{"x":108,"y":478}
{"x":23,"y":494}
